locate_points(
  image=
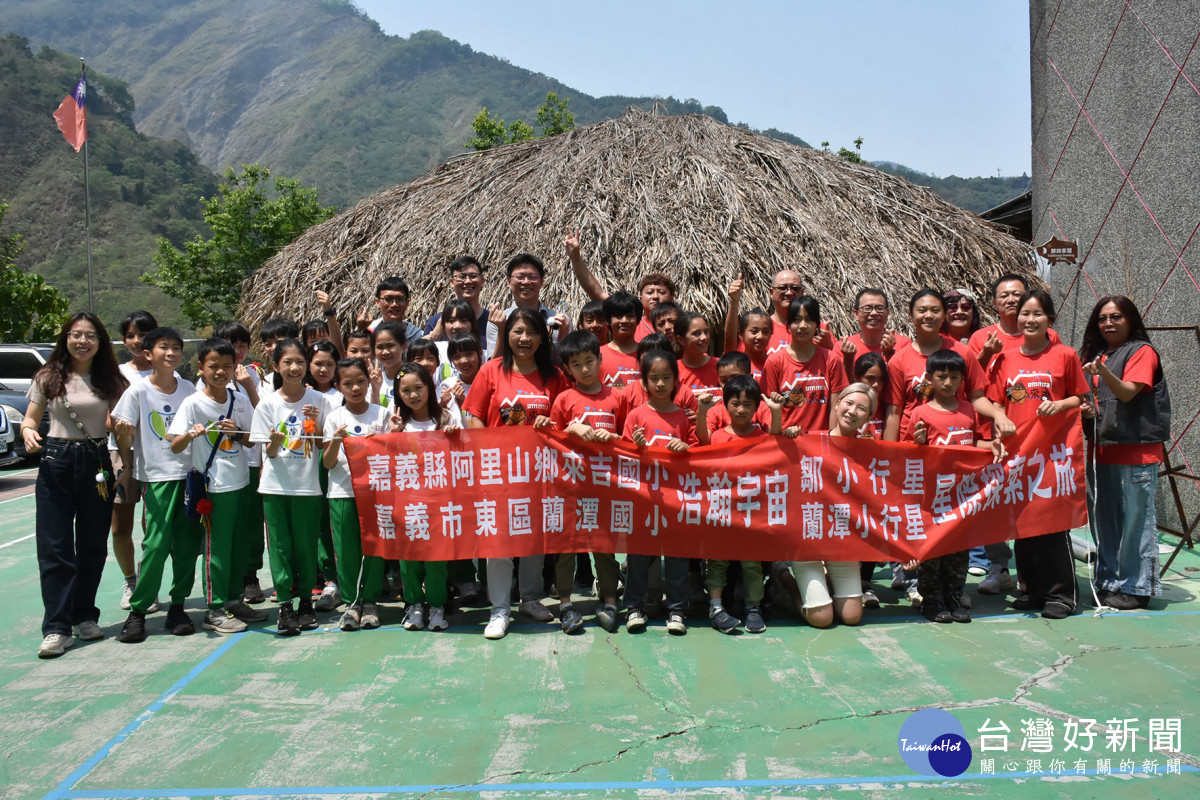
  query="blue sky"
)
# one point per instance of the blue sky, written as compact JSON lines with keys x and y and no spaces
{"x":942,"y":87}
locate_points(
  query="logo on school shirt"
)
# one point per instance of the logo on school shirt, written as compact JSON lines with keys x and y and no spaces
{"x":956,"y":434}
{"x":292,"y":429}
{"x":659,"y":437}
{"x":227,"y":445}
{"x":521,"y":408}
{"x":621,"y":378}
{"x":160,"y":421}
{"x":597,"y":418}
{"x":921,"y":388}
{"x":805,"y":389}
{"x":1028,"y":385}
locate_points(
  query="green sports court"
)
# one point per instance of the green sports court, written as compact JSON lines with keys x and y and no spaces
{"x":793,"y":712}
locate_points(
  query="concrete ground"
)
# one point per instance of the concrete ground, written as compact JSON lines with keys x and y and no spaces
{"x":791,"y":712}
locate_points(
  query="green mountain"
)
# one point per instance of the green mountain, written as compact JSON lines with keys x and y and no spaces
{"x":973,"y":194}
{"x":141,"y":188}
{"x":311,"y":88}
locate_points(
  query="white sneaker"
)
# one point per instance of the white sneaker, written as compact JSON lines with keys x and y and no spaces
{"x":497,"y":626}
{"x":153,"y":607}
{"x":437,"y":619}
{"x":55,"y":645}
{"x":126,"y":593}
{"x":330,"y":598}
{"x":914,"y":597}
{"x":89,"y":631}
{"x":998,"y":581}
{"x":369,"y":619}
{"x":414,"y":618}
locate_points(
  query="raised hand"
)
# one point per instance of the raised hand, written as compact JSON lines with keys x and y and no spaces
{"x":571,"y":243}
{"x":920,"y":432}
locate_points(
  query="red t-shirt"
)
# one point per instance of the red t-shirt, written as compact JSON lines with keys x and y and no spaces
{"x":604,"y":410}
{"x":725,"y":435}
{"x":644,"y":329}
{"x":756,"y":367}
{"x":701,"y":379}
{"x":660,"y":428}
{"x":862,"y":348}
{"x":1140,"y":368}
{"x":1009,"y":341}
{"x":718,"y":417}
{"x":618,"y":369}
{"x":1020,"y":383}
{"x":808,"y":388}
{"x":635,"y":395}
{"x":945,"y":428}
{"x":875,"y":425}
{"x":781,"y":337}
{"x":501,"y":398}
{"x":906,"y":379}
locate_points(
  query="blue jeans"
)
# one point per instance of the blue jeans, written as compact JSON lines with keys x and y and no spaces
{"x":71,"y":531}
{"x":1125,"y":525}
{"x":675,"y":583}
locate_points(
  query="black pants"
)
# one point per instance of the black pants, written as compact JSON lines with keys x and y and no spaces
{"x":637,"y":577}
{"x":939,"y":580}
{"x":1047,"y":566}
{"x":72,"y":531}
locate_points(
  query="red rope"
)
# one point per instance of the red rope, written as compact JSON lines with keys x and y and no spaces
{"x":1163,"y":46}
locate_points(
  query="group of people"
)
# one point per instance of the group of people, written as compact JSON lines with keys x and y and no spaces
{"x":249,"y":448}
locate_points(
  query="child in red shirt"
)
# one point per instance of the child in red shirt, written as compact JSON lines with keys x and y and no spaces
{"x":807,"y":375}
{"x":618,"y":358}
{"x":659,"y":422}
{"x":945,"y":421}
{"x":593,"y":412}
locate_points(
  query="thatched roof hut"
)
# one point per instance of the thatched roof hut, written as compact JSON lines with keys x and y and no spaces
{"x":686,"y":195}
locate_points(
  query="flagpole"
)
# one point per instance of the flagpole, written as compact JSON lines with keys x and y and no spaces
{"x":87,"y":214}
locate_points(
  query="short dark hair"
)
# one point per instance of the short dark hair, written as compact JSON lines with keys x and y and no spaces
{"x":392,"y":283}
{"x":144,"y":321}
{"x":462,"y":343}
{"x":735,"y":358}
{"x":460,"y":309}
{"x":462,"y":262}
{"x":221,"y":347}
{"x":945,"y":360}
{"x":926,"y":292}
{"x":311,"y":328}
{"x":663,"y":309}
{"x":1093,"y":343}
{"x":1005,"y":278}
{"x":232,"y":331}
{"x":576,"y":343}
{"x":592,"y":308}
{"x":279,"y":328}
{"x":357,"y":333}
{"x":1044,"y":299}
{"x":521,"y":259}
{"x":645,"y":362}
{"x":393,"y":329}
{"x":655,"y":341}
{"x":622,"y":304}
{"x":810,"y":306}
{"x":872,"y":290}
{"x":159,"y":334}
{"x":740,"y":385}
{"x":349,"y":363}
{"x":422,"y":347}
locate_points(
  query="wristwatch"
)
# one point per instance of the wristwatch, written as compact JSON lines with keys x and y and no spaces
{"x":330,"y":312}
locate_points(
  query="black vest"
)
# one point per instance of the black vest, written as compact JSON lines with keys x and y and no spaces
{"x":1144,"y":419}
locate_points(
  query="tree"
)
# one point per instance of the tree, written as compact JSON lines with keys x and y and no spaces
{"x":248,"y":227}
{"x":553,"y":117}
{"x":30,"y":308}
{"x":492,"y":131}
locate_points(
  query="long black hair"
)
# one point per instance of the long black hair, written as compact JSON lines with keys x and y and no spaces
{"x":106,"y":377}
{"x":1093,"y":343}
{"x":544,"y":357}
{"x":432,"y":407}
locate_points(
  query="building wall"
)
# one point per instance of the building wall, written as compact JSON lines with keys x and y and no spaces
{"x":1116,"y":165}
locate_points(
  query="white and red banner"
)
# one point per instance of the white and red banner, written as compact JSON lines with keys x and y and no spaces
{"x":514,"y":491}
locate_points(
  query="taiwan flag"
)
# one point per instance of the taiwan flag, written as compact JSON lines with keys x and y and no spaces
{"x":71,"y":115}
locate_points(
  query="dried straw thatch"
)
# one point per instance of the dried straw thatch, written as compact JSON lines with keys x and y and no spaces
{"x":685,"y":195}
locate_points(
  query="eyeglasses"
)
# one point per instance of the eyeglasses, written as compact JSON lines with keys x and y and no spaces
{"x":873,"y":309}
{"x":535,"y":278}
{"x":463,"y":277}
{"x":792,"y":288}
{"x":82,"y":336}
{"x":963,"y":305}
{"x":1114,"y":318}
{"x":393,"y":299}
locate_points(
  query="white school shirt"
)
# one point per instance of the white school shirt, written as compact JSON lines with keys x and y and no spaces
{"x":151,"y":413}
{"x":414,"y":426}
{"x":230,"y":471}
{"x":290,"y":472}
{"x":373,"y":420}
{"x":132,"y":375}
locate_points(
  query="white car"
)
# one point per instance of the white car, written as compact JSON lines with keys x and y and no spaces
{"x":19,"y":363}
{"x":8,"y":436}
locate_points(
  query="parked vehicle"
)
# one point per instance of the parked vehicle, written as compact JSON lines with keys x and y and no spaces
{"x":14,"y":404}
{"x":20,"y":362}
{"x":8,"y":430}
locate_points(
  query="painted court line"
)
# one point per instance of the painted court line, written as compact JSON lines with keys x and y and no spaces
{"x":15,"y":499}
{"x":17,"y":541}
{"x":591,"y":786}
{"x":79,"y":774}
